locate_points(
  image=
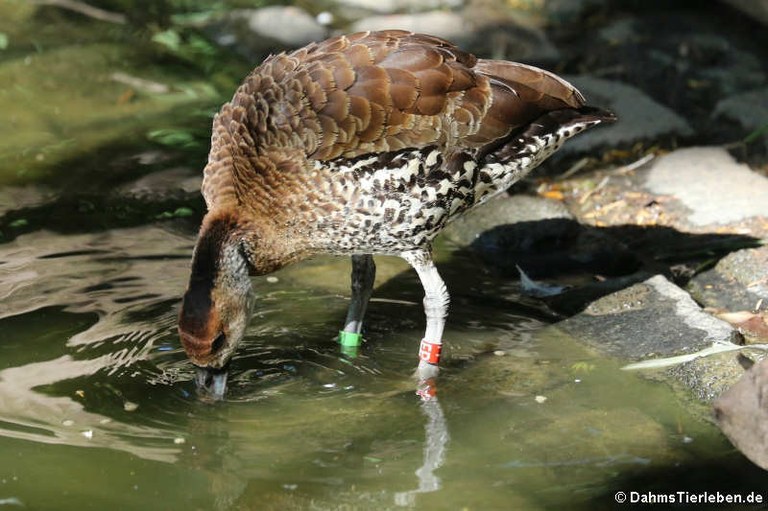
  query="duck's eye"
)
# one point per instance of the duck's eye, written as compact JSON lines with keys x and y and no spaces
{"x":218,"y":342}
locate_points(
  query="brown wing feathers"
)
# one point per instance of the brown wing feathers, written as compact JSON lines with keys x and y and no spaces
{"x":375,"y":92}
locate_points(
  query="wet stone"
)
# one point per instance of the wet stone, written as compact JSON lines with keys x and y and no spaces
{"x":738,"y":282}
{"x":648,"y":320}
{"x":708,"y":377}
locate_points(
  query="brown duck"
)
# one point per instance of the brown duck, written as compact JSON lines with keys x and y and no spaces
{"x":363,"y":144}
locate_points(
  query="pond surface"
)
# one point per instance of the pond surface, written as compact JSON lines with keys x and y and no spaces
{"x":98,"y":408}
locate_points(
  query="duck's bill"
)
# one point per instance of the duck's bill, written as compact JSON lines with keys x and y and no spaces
{"x":211,"y":383}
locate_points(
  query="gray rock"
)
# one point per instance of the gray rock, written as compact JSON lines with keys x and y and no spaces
{"x":510,"y":40}
{"x":706,"y":378}
{"x":288,"y":25}
{"x":254,"y":33}
{"x":445,"y":24}
{"x":540,"y":236}
{"x":389,"y":6}
{"x":757,"y":9}
{"x":503,"y":210}
{"x":640,"y":117}
{"x":737,"y":283}
{"x":570,"y":11}
{"x":749,"y":111}
{"x":651,"y":319}
{"x":711,"y":184}
{"x":173,"y":183}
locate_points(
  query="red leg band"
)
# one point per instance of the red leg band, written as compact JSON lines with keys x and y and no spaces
{"x":430,"y":352}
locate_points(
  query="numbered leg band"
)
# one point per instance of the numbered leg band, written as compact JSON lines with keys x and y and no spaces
{"x":429,"y":352}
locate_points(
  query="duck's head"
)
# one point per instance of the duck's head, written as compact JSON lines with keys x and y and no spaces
{"x":218,"y":302}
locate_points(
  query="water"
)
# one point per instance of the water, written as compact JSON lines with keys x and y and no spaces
{"x":98,"y":409}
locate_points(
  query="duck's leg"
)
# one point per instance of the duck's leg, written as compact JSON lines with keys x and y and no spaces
{"x":436,"y":301}
{"x":363,"y":275}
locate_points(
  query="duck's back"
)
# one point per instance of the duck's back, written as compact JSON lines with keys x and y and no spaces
{"x":368,"y":93}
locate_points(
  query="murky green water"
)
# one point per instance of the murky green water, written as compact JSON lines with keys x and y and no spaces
{"x":97,"y":406}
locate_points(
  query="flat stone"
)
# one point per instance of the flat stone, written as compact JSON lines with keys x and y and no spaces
{"x":711,"y":184}
{"x":737,"y":283}
{"x":640,"y":117}
{"x":648,"y":320}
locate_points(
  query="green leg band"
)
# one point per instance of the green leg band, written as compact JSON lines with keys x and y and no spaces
{"x":350,"y":339}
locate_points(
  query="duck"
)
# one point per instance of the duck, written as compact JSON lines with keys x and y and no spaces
{"x":360,"y":145}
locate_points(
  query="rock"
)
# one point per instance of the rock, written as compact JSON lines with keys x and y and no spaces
{"x":173,"y":183}
{"x":620,"y":436}
{"x":652,"y":319}
{"x":538,"y":235}
{"x":756,"y":9}
{"x":570,"y":11}
{"x":390,"y":6}
{"x":503,"y":210}
{"x":445,"y":24}
{"x":510,"y":40}
{"x":737,"y":283}
{"x":706,"y":378}
{"x":254,"y":33}
{"x":742,"y":414}
{"x":684,"y":190}
{"x":641,"y":119}
{"x":748,"y":111}
{"x":711,"y":184}
{"x":21,"y":197}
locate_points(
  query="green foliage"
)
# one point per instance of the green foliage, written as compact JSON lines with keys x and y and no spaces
{"x":188,"y":46}
{"x":174,"y":137}
{"x":3,"y":41}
